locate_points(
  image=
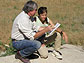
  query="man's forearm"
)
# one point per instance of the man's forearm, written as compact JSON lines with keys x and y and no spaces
{"x":40,"y":33}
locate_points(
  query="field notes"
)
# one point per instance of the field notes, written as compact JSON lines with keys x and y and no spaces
{"x":56,"y":26}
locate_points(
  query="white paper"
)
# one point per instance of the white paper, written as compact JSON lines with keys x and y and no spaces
{"x":56,"y":26}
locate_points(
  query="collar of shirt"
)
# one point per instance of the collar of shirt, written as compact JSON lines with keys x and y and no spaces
{"x":26,"y":14}
{"x":30,"y":17}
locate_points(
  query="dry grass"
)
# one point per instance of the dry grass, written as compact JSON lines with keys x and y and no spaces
{"x":9,"y":10}
{"x":70,"y":13}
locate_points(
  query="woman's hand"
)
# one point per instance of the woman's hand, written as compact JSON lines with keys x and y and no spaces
{"x":65,"y":37}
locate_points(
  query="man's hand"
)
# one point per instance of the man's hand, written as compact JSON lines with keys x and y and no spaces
{"x":49,"y":28}
{"x":41,"y":28}
{"x":40,"y":33}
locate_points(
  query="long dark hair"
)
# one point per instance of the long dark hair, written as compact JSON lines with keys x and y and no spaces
{"x":41,"y":10}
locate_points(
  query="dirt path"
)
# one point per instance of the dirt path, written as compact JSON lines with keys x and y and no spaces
{"x":71,"y":54}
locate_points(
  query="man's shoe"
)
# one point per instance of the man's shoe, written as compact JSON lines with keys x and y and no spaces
{"x":24,"y":60}
{"x":57,"y":54}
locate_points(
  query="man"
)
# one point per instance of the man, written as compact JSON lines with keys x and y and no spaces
{"x":24,"y":32}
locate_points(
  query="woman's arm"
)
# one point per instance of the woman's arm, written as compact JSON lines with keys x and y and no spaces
{"x":51,"y":23}
{"x":65,"y":37}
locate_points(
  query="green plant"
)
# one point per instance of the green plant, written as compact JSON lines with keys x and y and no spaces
{"x":1,"y":43}
{"x":62,"y":41}
{"x":9,"y":50}
{"x":15,"y":8}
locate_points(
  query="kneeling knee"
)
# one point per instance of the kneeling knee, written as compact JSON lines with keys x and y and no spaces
{"x":38,"y":45}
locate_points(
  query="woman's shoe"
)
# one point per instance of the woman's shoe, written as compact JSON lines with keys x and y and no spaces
{"x":57,"y":54}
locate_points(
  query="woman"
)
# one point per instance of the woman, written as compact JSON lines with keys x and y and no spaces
{"x":43,"y":21}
